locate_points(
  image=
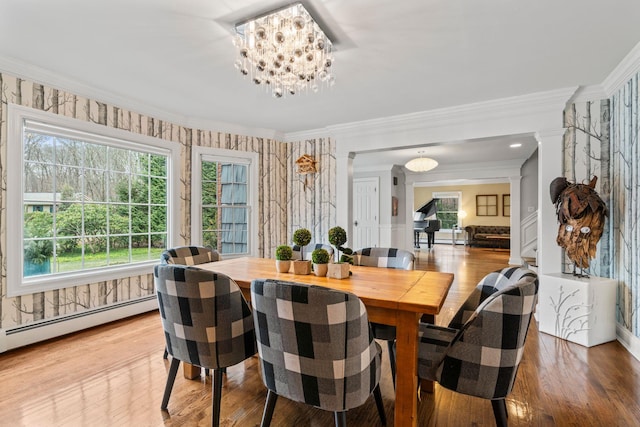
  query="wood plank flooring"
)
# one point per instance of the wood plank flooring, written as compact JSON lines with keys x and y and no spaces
{"x":114,"y":375}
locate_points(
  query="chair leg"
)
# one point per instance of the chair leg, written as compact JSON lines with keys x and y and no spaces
{"x":341,"y":419}
{"x":392,"y":360}
{"x":269,"y":406}
{"x":216,"y":390}
{"x":377,"y":395}
{"x":173,"y":370}
{"x":500,"y":412}
{"x":166,"y":353}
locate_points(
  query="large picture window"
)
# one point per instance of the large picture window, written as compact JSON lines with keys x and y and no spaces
{"x":89,"y":202}
{"x":223,"y":199}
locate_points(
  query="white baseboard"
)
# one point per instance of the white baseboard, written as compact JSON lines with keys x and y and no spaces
{"x":39,"y":331}
{"x":628,"y":340}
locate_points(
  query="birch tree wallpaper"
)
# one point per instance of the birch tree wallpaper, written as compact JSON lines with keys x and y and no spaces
{"x":625,"y":202}
{"x":274,"y":205}
{"x":312,"y":197}
{"x":601,"y":139}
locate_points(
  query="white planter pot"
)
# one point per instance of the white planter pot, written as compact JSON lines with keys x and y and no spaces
{"x":320,"y":270}
{"x":338,"y":270}
{"x":301,"y":267}
{"x":283,"y":266}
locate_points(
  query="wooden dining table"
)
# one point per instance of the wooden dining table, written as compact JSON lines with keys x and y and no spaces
{"x":392,"y":297}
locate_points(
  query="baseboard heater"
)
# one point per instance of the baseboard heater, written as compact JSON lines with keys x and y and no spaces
{"x":50,"y":328}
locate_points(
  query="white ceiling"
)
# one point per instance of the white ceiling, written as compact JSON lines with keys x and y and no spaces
{"x":392,"y":57}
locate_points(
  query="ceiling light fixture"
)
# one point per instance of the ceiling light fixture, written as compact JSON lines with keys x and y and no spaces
{"x":285,"y":51}
{"x":515,"y":145}
{"x":421,"y":164}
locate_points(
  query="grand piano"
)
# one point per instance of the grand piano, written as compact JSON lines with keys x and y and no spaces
{"x":429,"y":226}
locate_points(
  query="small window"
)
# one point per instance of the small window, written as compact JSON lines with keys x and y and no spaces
{"x":93,"y":204}
{"x":223,"y":200}
{"x":447,"y":206}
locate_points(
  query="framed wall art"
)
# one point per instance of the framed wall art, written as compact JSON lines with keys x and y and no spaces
{"x":506,"y":205}
{"x":487,"y":205}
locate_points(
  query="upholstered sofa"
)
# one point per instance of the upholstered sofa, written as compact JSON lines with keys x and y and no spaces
{"x":480,"y":235}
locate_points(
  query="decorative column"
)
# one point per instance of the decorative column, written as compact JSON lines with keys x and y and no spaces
{"x":344,"y":192}
{"x":549,"y":167}
{"x":515,"y":220}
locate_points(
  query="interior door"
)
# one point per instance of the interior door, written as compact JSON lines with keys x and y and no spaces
{"x":366,"y":212}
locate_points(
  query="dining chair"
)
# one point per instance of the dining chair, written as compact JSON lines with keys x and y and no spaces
{"x":315,"y":346}
{"x":188,"y":255}
{"x":387,"y":258}
{"x":297,"y":250}
{"x":206,"y":321}
{"x":478,"y":354}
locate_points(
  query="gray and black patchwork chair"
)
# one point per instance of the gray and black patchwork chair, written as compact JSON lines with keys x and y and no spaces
{"x":188,"y":255}
{"x":308,"y":250}
{"x":384,"y":257}
{"x":387,"y":258}
{"x":206,"y":321}
{"x":315,"y":346}
{"x":479,"y":353}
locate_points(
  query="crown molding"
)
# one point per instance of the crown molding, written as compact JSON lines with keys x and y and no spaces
{"x":588,"y":93}
{"x":43,"y":76}
{"x":623,"y":72}
{"x":458,"y":182}
{"x":524,"y":105}
{"x":469,"y":172}
{"x":306,"y":135}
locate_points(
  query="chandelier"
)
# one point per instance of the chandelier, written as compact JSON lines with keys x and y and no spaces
{"x":421,"y":164}
{"x":285,"y":51}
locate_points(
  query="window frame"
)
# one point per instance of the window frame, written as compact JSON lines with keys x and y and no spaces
{"x":73,"y":128}
{"x":250,"y":159}
{"x":449,"y":195}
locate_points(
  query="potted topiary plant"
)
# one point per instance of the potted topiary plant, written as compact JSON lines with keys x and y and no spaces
{"x":320,"y":259}
{"x":301,"y":238}
{"x":284,"y":253}
{"x":340,"y":269}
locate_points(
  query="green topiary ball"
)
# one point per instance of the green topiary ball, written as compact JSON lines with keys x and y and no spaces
{"x":337,"y":236}
{"x":284,"y":253}
{"x":302,"y":237}
{"x":320,"y":256}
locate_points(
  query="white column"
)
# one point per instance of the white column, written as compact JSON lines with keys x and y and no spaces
{"x":515,"y":221}
{"x":344,"y":193}
{"x":409,"y":209}
{"x":550,"y":149}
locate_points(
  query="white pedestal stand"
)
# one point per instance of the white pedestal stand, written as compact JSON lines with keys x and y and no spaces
{"x":581,"y":310}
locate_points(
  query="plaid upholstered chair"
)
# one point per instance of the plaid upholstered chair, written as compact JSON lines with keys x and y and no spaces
{"x":207,"y":322}
{"x":384,"y":257}
{"x":479,"y":353}
{"x":297,"y":250}
{"x":188,"y":255}
{"x":315,"y":346}
{"x":388,"y":258}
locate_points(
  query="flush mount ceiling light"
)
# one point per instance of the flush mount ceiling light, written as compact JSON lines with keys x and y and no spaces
{"x":421,"y":164}
{"x":285,"y":51}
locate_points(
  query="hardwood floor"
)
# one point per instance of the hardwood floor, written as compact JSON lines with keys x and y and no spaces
{"x":114,"y":375}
